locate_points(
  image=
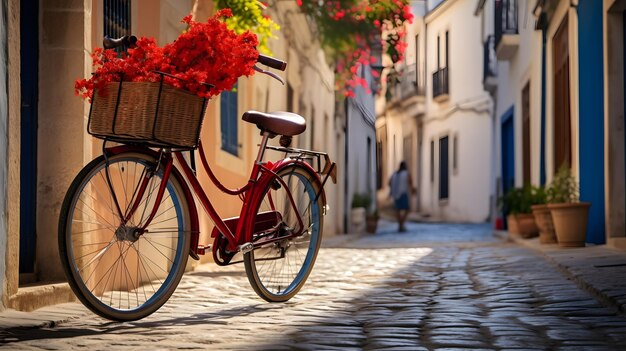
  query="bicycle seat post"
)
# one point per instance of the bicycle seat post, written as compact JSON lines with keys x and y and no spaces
{"x":259,"y":157}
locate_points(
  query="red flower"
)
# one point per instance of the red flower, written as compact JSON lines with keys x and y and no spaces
{"x":206,"y":53}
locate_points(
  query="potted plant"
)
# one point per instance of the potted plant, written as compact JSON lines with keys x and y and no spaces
{"x":509,"y":205}
{"x":569,"y":215}
{"x":360,"y":204}
{"x":543,"y":218}
{"x":517,"y":204}
{"x":371,"y":221}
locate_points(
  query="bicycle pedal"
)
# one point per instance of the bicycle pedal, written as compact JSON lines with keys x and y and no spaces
{"x":246,"y":247}
{"x":202,"y":249}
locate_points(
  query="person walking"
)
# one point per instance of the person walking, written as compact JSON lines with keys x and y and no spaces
{"x":400,"y":184}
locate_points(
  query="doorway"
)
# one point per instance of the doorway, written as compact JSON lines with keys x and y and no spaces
{"x":29,"y":74}
{"x":561,"y":78}
{"x":508,"y":153}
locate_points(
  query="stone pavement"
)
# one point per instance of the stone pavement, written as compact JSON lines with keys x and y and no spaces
{"x":437,"y":287}
{"x":596,"y":268}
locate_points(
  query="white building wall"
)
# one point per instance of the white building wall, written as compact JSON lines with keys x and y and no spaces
{"x":465,"y":115}
{"x":360,"y":158}
{"x":399,"y":117}
{"x":513,"y":75}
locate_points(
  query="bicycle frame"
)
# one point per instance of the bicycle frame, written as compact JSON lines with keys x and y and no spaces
{"x":250,"y":193}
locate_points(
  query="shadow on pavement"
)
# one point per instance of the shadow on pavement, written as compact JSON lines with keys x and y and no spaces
{"x":412,"y":299}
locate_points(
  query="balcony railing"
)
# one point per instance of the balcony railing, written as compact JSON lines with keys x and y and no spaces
{"x":490,"y":66}
{"x":440,"y":84}
{"x":506,"y":30}
{"x":407,"y":85}
{"x":506,"y":18}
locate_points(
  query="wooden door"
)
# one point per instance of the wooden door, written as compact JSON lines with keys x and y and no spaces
{"x":561,"y":78}
{"x":526,"y":133}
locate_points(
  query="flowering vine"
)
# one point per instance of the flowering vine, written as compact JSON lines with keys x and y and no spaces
{"x":350,"y":27}
{"x":206,"y":52}
{"x":248,"y":15}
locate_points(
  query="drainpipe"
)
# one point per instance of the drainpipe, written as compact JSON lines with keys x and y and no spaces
{"x":346,"y":170}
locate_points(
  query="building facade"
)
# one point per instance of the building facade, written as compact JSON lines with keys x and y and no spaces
{"x":359,"y":175}
{"x":446,"y":138}
{"x":400,"y":111}
{"x":554,"y":101}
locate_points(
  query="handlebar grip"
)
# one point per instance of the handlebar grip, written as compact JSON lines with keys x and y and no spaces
{"x":272,"y":62}
{"x":127,"y":40}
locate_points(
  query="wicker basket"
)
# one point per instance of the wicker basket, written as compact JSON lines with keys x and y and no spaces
{"x":149,"y":113}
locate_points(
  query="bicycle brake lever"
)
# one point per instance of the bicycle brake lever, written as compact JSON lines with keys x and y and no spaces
{"x":271,"y":74}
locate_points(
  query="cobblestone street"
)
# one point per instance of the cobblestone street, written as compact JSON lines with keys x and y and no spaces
{"x":436,"y":287}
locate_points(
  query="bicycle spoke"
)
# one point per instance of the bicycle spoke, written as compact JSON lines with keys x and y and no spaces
{"x":282,"y":265}
{"x":117,"y":275}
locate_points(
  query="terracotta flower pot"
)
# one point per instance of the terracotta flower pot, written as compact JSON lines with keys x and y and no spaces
{"x":511,"y":222}
{"x":357,"y":220}
{"x":371,"y":223}
{"x":570,"y":223}
{"x":527,"y":226}
{"x":543,"y":218}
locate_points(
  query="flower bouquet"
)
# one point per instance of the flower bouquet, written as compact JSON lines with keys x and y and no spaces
{"x":157,"y":95}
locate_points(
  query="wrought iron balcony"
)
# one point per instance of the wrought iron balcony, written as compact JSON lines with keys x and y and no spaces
{"x":506,"y":30}
{"x":440,"y":85}
{"x":406,"y":85}
{"x":490,"y":67}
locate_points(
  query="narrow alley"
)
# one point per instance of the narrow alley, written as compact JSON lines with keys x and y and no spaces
{"x":438,"y":286}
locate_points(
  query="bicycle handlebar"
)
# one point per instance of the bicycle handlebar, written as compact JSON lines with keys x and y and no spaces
{"x":127,"y":40}
{"x":272,"y":62}
{"x":131,"y":40}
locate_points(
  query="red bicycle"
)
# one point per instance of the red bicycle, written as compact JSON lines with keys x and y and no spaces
{"x":129,"y":220}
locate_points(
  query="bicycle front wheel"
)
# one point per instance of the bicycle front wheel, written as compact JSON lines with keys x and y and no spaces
{"x":279,"y":268}
{"x":116,"y":270}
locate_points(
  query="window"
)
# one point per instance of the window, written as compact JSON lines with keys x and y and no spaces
{"x":116,"y":19}
{"x":432,"y":161}
{"x":407,"y":151}
{"x":440,"y":76}
{"x":381,"y":155}
{"x":443,"y":169}
{"x":417,"y":63}
{"x":417,"y":53}
{"x":443,"y":64}
{"x":447,"y":48}
{"x":526,"y":133}
{"x":228,"y":118}
{"x":438,"y":52}
{"x":455,"y":153}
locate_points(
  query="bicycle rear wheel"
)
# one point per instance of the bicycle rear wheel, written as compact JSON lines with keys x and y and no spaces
{"x":278,"y":269}
{"x":116,"y":271}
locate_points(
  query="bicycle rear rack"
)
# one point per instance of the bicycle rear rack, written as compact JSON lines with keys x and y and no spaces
{"x":313,"y":158}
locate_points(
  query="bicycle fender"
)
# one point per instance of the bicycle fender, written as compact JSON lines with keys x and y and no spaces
{"x":277,"y":166}
{"x":193,"y":211}
{"x":266,"y":178}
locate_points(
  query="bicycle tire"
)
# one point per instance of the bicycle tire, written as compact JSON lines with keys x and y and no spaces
{"x":150,"y":266}
{"x":278,"y":270}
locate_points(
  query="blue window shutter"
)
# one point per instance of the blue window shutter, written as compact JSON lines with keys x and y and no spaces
{"x":228,"y":117}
